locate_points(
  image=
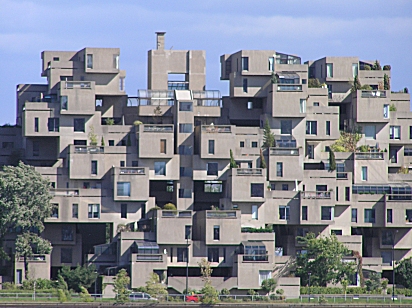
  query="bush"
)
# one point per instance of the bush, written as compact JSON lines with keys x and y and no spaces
{"x":387,"y":67}
{"x":170,"y":206}
{"x":9,"y":286}
{"x":314,"y":83}
{"x":61,"y":295}
{"x":224,"y":292}
{"x":367,"y":67}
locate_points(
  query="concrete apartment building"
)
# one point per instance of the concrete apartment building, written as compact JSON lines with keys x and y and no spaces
{"x":111,"y":175}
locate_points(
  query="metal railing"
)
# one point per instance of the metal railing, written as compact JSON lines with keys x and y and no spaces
{"x":88,"y":149}
{"x":64,"y":192}
{"x":255,"y":258}
{"x":315,"y":194}
{"x":369,"y":155}
{"x":285,"y":152}
{"x":35,"y":258}
{"x":221,"y":214}
{"x":149,"y":128}
{"x":216,"y":128}
{"x":289,"y":87}
{"x":132,"y":170}
{"x":373,"y":94}
{"x":77,"y":85}
{"x":149,"y":257}
{"x":342,"y":175}
{"x":179,"y":214}
{"x":249,"y":171}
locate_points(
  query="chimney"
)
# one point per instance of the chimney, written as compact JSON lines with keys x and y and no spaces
{"x":160,"y":40}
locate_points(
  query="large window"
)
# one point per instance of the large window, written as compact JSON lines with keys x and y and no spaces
{"x":389,"y":216}
{"x":255,"y":212}
{"x":212,"y":169}
{"x":386,"y":111}
{"x":286,"y":127}
{"x":354,"y":70}
{"x":211,"y":147}
{"x":94,"y":211}
{"x":182,"y":255}
{"x":64,"y":102}
{"x":185,"y":106}
{"x":160,"y":168}
{"x":123,"y":189}
{"x":66,"y":255}
{"x":216,"y":233}
{"x":284,"y":212}
{"x":55,"y":210}
{"x":185,"y":193}
{"x":245,"y":63}
{"x":302,"y":104}
{"x":354,"y":215}
{"x":162,"y":146}
{"x":271,"y":65}
{"x":78,"y":125}
{"x":67,"y":233}
{"x":387,"y":237}
{"x":326,"y":213}
{"x":364,"y":175}
{"x":370,"y":215}
{"x":311,"y":127}
{"x":213,"y":254}
{"x":186,"y":128}
{"x":395,"y":132}
{"x":329,"y":70}
{"x":256,"y":190}
{"x":188,"y":232}
{"x":279,"y":169}
{"x":264,"y":275}
{"x":89,"y":61}
{"x":213,"y":187}
{"x":370,"y":131}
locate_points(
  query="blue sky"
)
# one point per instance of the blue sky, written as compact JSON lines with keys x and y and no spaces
{"x":370,"y":29}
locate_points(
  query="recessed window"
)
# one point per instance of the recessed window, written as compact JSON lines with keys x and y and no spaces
{"x":255,"y":212}
{"x":182,"y":255}
{"x":56,"y":59}
{"x":213,"y":254}
{"x":122,"y":82}
{"x":370,"y":131}
{"x":285,"y":187}
{"x":55,"y":210}
{"x":116,"y":61}
{"x":329,"y":70}
{"x":67,"y":233}
{"x":370,"y":216}
{"x":271,"y":65}
{"x":389,"y":216}
{"x":327,"y":128}
{"x":213,"y":187}
{"x":311,"y":127}
{"x":387,"y":237}
{"x":395,"y":132}
{"x":254,"y":144}
{"x":122,"y":163}
{"x":304,"y":212}
{"x":212,"y":169}
{"x":160,"y":168}
{"x":242,"y":144}
{"x":216,"y":233}
{"x":53,"y":124}
{"x":185,"y":106}
{"x":99,"y":102}
{"x":279,"y":169}
{"x":284,"y":212}
{"x":78,"y":125}
{"x":188,"y":232}
{"x":354,"y":215}
{"x":123,"y":189}
{"x":185,"y":193}
{"x":336,"y":232}
{"x":245,"y":86}
{"x":326,"y":213}
{"x":364,"y":175}
{"x":316,"y":104}
{"x":123,"y":210}
{"x":211,"y":147}
{"x":66,"y":255}
{"x":245,"y":63}
{"x":111,"y":143}
{"x":36,"y":125}
{"x":185,"y":128}
{"x":250,"y":105}
{"x":286,"y":127}
{"x":94,"y":210}
{"x":93,"y":170}
{"x":75,"y":210}
{"x":256,"y":190}
{"x":408,"y":216}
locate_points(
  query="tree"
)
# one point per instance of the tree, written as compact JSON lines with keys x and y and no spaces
{"x":102,"y":142}
{"x":356,"y":84}
{"x":262,"y":160}
{"x":29,"y":243}
{"x":121,"y":284}
{"x":347,"y":142}
{"x":92,"y":136}
{"x":63,"y":290}
{"x":268,"y":136}
{"x":403,"y":273}
{"x":154,"y":287}
{"x":24,"y":204}
{"x":344,"y":284}
{"x":210,"y":294}
{"x":324,"y":260}
{"x":232,"y":163}
{"x":386,"y":82}
{"x":81,"y":276}
{"x":84,"y":295}
{"x":314,"y":83}
{"x":376,"y":66}
{"x":268,"y":285}
{"x":374,"y":282}
{"x":332,"y":161}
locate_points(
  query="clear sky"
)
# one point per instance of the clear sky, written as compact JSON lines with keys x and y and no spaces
{"x":370,"y":29}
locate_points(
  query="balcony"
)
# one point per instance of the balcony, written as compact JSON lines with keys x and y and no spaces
{"x":249,"y":171}
{"x":369,"y":155}
{"x":88,"y":149}
{"x":132,"y":170}
{"x":284,"y":152}
{"x":373,"y":94}
{"x":315,"y":194}
{"x":155,"y":98}
{"x":77,"y":85}
{"x":34,"y":258}
{"x":64,"y":192}
{"x":398,"y":197}
{"x":222,"y":214}
{"x":141,"y":257}
{"x":155,"y":128}
{"x":341,"y":175}
{"x":178,"y":214}
{"x":289,"y":87}
{"x":211,"y":98}
{"x":216,"y":128}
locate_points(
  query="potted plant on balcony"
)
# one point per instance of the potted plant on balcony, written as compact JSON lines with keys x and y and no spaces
{"x":269,"y":187}
{"x":92,"y":136}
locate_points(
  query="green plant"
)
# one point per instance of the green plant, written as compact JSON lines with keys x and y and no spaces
{"x":84,"y":295}
{"x":102,"y":142}
{"x":61,"y":296}
{"x":403,"y":170}
{"x":123,"y":228}
{"x":347,"y":141}
{"x":252,"y":292}
{"x":81,"y":276}
{"x":323,"y":300}
{"x":376,"y":66}
{"x":332,"y":161}
{"x":268,"y":136}
{"x":137,"y":122}
{"x":386,"y":82}
{"x":92,"y":136}
{"x":109,"y":121}
{"x":374,"y":282}
{"x":232,"y":163}
{"x":224,"y":292}
{"x":262,"y":160}
{"x":405,"y":90}
{"x":268,"y":285}
{"x":356,"y":84}
{"x":170,"y":206}
{"x":392,"y":107}
{"x":403,"y":273}
{"x":274,"y":78}
{"x":121,"y":283}
{"x":367,"y":67}
{"x":387,"y":67}
{"x":314,"y":83}
{"x":154,"y":287}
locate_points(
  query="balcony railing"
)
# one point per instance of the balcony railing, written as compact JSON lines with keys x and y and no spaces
{"x":373,"y":94}
{"x":399,"y":197}
{"x":132,"y":170}
{"x":315,"y":194}
{"x":155,"y":98}
{"x":88,"y":149}
{"x":221,"y":214}
{"x":249,"y":171}
{"x":78,"y":85}
{"x":289,"y":87}
{"x":149,"y":257}
{"x":255,"y":258}
{"x":284,"y":152}
{"x":369,"y":155}
{"x":64,"y":192}
{"x":35,"y":258}
{"x":157,"y":128}
{"x":342,"y":175}
{"x":178,"y":214}
{"x":216,"y":128}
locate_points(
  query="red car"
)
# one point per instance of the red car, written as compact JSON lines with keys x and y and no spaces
{"x":194,"y":298}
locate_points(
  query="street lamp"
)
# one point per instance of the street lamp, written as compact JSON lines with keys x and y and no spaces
{"x":393,"y":264}
{"x":309,"y":284}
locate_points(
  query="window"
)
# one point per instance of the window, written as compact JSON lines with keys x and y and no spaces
{"x":212,"y":169}
{"x":284,"y":212}
{"x":122,"y":163}
{"x":364,"y":175}
{"x":370,"y":215}
{"x":111,"y":143}
{"x":329,"y":70}
{"x":410,"y":132}
{"x":245,"y":85}
{"x":386,"y":113}
{"x":304,"y":212}
{"x":387,"y":237}
{"x":160,"y":168}
{"x":78,"y":125}
{"x":185,"y":106}
{"x":316,"y":104}
{"x":143,"y":210}
{"x":389,"y":217}
{"x":36,"y":125}
{"x":53,"y":124}
{"x":185,"y":193}
{"x":89,"y":61}
{"x":80,"y":142}
{"x":249,"y":105}
{"x":213,"y":254}
{"x":185,"y":150}
{"x":211,"y":147}
{"x":347,"y":193}
{"x":36,"y":148}
{"x":395,"y":132}
{"x":386,"y":257}
{"x":337,"y":192}
{"x":93,"y":170}
{"x":170,"y":186}
{"x":285,"y":187}
{"x":354,"y":70}
{"x":302,"y":232}
{"x":256,"y":190}
{"x":311,"y":151}
{"x":242,"y":144}
{"x":94,"y":211}
{"x":329,"y":90}
{"x":186,"y":171}
{"x":19,"y":276}
{"x":64,"y":102}
{"x":123,"y":189}
{"x":162,"y":146}
{"x":245,"y":63}
{"x":188,"y":232}
{"x":123,"y":210}
{"x":336,"y":232}
{"x":182,"y":255}
{"x":75,"y":210}
{"x":271,"y":61}
{"x":67,"y":233}
{"x":185,"y":128}
{"x":354,"y":215}
{"x":279,"y":169}
{"x":264,"y":275}
{"x":408,"y":216}
{"x":286,"y":127}
{"x":302,"y":105}
{"x":224,"y":255}
{"x":311,"y":127}
{"x":326,"y":213}
{"x":254,"y":144}
{"x":327,"y":128}
{"x":370,"y":131}
{"x":66,"y":255}
{"x":255,"y":213}
{"x":216,"y":233}
{"x":55,"y":210}
{"x":171,"y":254}
{"x":407,"y":152}
{"x":213,"y":187}
{"x":116,"y":62}
{"x":99,"y":102}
